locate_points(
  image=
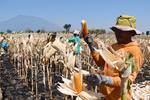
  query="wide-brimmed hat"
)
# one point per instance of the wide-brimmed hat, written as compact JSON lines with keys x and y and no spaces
{"x":76,"y":32}
{"x":126,"y":23}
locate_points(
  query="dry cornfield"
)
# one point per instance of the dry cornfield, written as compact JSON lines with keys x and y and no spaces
{"x":38,"y":65}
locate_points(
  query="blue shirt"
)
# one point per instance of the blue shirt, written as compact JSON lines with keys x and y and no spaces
{"x":4,"y":44}
{"x":75,"y":39}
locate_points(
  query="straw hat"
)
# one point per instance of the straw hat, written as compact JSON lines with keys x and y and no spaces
{"x":76,"y":32}
{"x":126,"y":23}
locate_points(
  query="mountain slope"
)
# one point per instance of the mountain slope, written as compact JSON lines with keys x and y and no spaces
{"x":21,"y":23}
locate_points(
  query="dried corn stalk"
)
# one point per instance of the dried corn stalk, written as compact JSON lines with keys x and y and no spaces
{"x":1,"y":96}
{"x":58,"y":45}
{"x":48,"y":52}
{"x":148,"y":47}
{"x":71,"y":61}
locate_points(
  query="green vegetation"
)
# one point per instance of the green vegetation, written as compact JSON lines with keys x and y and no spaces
{"x":67,"y":27}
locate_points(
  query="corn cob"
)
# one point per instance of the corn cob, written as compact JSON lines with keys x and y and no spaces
{"x":84,"y":30}
{"x":77,"y":82}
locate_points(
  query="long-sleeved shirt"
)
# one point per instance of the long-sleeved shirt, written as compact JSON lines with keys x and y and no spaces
{"x":113,"y":91}
{"x":76,"y":40}
{"x":4,"y":44}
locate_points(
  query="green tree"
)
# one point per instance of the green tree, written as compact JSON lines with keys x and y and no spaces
{"x":9,"y":31}
{"x":97,"y":31}
{"x":29,"y":31}
{"x":1,"y":32}
{"x":91,"y":31}
{"x":43,"y":30}
{"x":102,"y":31}
{"x":67,"y":27}
{"x":38,"y":31}
{"x":147,"y":33}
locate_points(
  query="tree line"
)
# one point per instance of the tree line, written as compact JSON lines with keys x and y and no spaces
{"x":67,"y":28}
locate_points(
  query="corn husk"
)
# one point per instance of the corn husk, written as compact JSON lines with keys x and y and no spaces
{"x":112,"y":59}
{"x":83,"y":72}
{"x":48,"y":50}
{"x":89,"y":95}
{"x":59,"y":46}
{"x":67,"y":89}
{"x":67,"y":81}
{"x":71,"y":61}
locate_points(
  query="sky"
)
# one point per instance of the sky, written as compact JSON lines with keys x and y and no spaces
{"x":98,"y":13}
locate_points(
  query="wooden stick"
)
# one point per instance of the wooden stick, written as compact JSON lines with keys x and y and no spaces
{"x":36,"y":81}
{"x":44,"y":77}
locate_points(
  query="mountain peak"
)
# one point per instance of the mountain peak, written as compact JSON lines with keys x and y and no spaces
{"x":23,"y":22}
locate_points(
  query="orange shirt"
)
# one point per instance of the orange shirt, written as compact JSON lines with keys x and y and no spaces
{"x":113,"y":92}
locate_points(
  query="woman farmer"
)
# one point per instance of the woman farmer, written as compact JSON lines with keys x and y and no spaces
{"x":3,"y":43}
{"x":110,"y":81}
{"x":76,"y":40}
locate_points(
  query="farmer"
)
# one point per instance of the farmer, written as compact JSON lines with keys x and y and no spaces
{"x":51,"y":37}
{"x":76,"y":40}
{"x":110,"y":81}
{"x":3,"y":43}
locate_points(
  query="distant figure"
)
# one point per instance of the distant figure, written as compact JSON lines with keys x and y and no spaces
{"x":3,"y":43}
{"x":76,"y":40}
{"x":51,"y":37}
